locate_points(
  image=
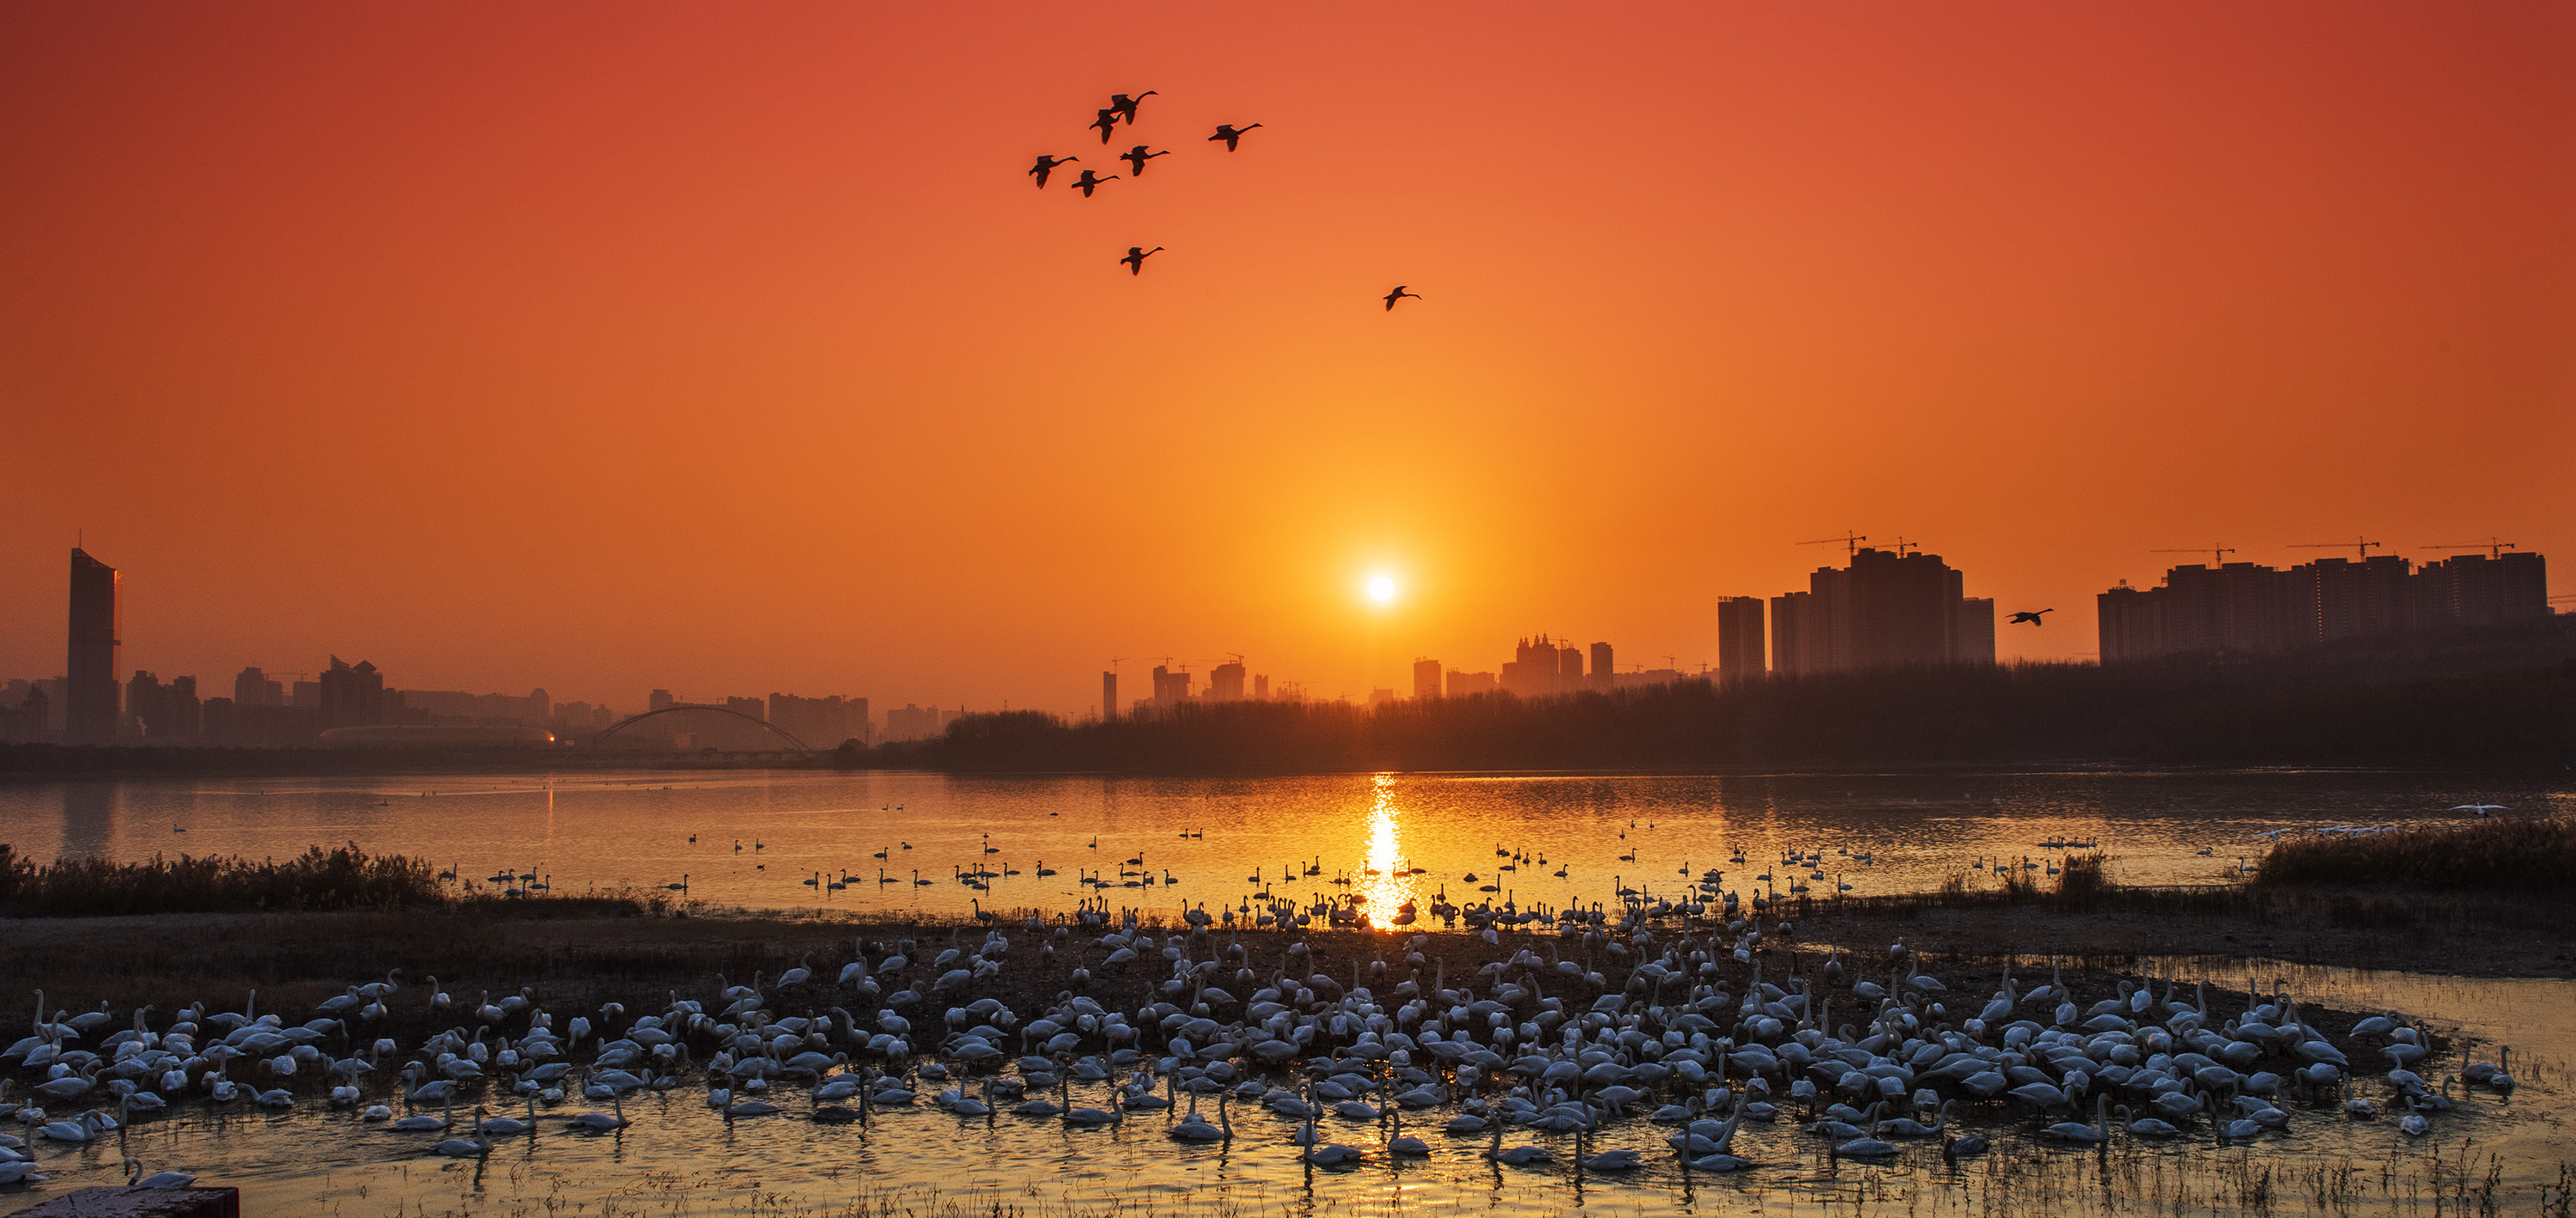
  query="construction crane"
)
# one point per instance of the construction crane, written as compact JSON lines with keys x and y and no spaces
{"x":2216,"y":552}
{"x":2360,"y":548}
{"x":1113,"y":664}
{"x":1850,"y":541}
{"x":2494,"y":548}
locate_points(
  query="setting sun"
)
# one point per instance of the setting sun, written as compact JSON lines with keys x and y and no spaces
{"x":1381,"y":588}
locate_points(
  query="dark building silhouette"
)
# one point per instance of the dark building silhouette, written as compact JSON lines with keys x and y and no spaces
{"x":659,"y":700}
{"x":1739,"y":638}
{"x":161,"y":713}
{"x":1261,"y":686}
{"x":90,"y":704}
{"x":1885,"y":610}
{"x":2339,"y":598}
{"x":2481,"y":590}
{"x":2246,"y":608}
{"x":251,"y":687}
{"x":25,"y":715}
{"x":1170,"y":688}
{"x":1540,"y":667}
{"x":1972,"y":639}
{"x":1604,"y":673}
{"x":913,"y":722}
{"x":820,"y":722}
{"x":1109,"y":695}
{"x":1225,"y":682}
{"x":1426,"y":680}
{"x":1458,"y":684}
{"x":353,"y":696}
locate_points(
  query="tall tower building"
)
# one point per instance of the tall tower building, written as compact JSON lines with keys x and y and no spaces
{"x":1604,"y":673}
{"x":90,"y":702}
{"x":1108,"y":696}
{"x":1739,"y":638}
{"x":1426,"y":680}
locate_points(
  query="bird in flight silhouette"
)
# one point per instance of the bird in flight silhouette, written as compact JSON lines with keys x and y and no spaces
{"x":1137,"y":156}
{"x":1230,"y":133}
{"x":1047,"y":165}
{"x":1136,"y":256}
{"x":1088,"y":182}
{"x":2029,"y":615}
{"x":1105,"y":122}
{"x":1398,"y":294}
{"x":1125,"y":107}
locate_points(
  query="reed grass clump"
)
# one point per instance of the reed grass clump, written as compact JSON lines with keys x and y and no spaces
{"x":342,"y":878}
{"x":2499,"y":856}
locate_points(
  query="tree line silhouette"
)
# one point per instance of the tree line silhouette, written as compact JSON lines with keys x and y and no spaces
{"x":2499,"y":701}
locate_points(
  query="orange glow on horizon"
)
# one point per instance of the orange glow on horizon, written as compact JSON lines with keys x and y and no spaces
{"x":607,"y":348}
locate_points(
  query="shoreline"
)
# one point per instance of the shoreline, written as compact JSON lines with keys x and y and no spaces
{"x":297,"y":960}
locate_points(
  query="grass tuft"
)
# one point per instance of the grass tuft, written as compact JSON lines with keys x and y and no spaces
{"x":2517,"y":856}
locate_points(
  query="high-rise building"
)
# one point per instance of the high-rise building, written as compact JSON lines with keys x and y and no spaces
{"x":1426,"y":680}
{"x":1886,"y":609}
{"x":1464,"y":684}
{"x":251,"y":687}
{"x":2339,"y":598}
{"x":821,"y":723}
{"x":1604,"y":673}
{"x":90,"y":705}
{"x":352,"y":696}
{"x":1109,"y":695}
{"x":1381,"y":696}
{"x":749,"y":708}
{"x":2245,"y":607}
{"x":162,"y":713}
{"x":1170,"y":688}
{"x":1261,"y":686}
{"x":1539,"y":668}
{"x":912,"y":722}
{"x":1225,"y":682}
{"x":1972,"y":639}
{"x":659,"y":700}
{"x":1739,"y":638}
{"x":2481,"y":590}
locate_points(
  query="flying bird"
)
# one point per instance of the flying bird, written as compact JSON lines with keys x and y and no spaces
{"x":1137,"y":156}
{"x":1136,"y":256}
{"x":1398,"y":294}
{"x":1047,"y":165}
{"x":1229,"y":133}
{"x":1125,"y":107}
{"x":1105,"y":122}
{"x":2028,"y":615}
{"x":1089,"y":182}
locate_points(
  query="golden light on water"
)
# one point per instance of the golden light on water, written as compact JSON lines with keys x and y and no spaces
{"x":1386,"y":888}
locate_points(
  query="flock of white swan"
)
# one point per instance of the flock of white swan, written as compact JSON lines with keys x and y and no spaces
{"x":1605,"y":1042}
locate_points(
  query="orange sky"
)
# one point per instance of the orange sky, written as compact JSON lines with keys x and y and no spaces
{"x":726,"y":348}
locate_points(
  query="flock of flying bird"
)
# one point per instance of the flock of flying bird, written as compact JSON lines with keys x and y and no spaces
{"x":1122,"y":109}
{"x":1699,"y":1024}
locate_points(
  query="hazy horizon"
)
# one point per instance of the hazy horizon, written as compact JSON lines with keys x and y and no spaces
{"x":605,"y":349}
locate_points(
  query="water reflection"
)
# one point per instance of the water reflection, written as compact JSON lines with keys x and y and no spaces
{"x":1879,"y":832}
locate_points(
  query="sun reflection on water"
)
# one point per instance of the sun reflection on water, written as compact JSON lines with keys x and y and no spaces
{"x":1385,"y":883}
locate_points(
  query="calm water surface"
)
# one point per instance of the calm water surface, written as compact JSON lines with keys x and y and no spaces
{"x":759,"y":835}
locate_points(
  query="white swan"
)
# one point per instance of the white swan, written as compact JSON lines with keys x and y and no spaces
{"x":466,"y":1148}
{"x":134,"y":1177}
{"x":604,"y":1121}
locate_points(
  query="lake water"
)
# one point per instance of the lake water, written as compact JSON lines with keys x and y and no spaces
{"x":610,"y":831}
{"x":754,"y":837}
